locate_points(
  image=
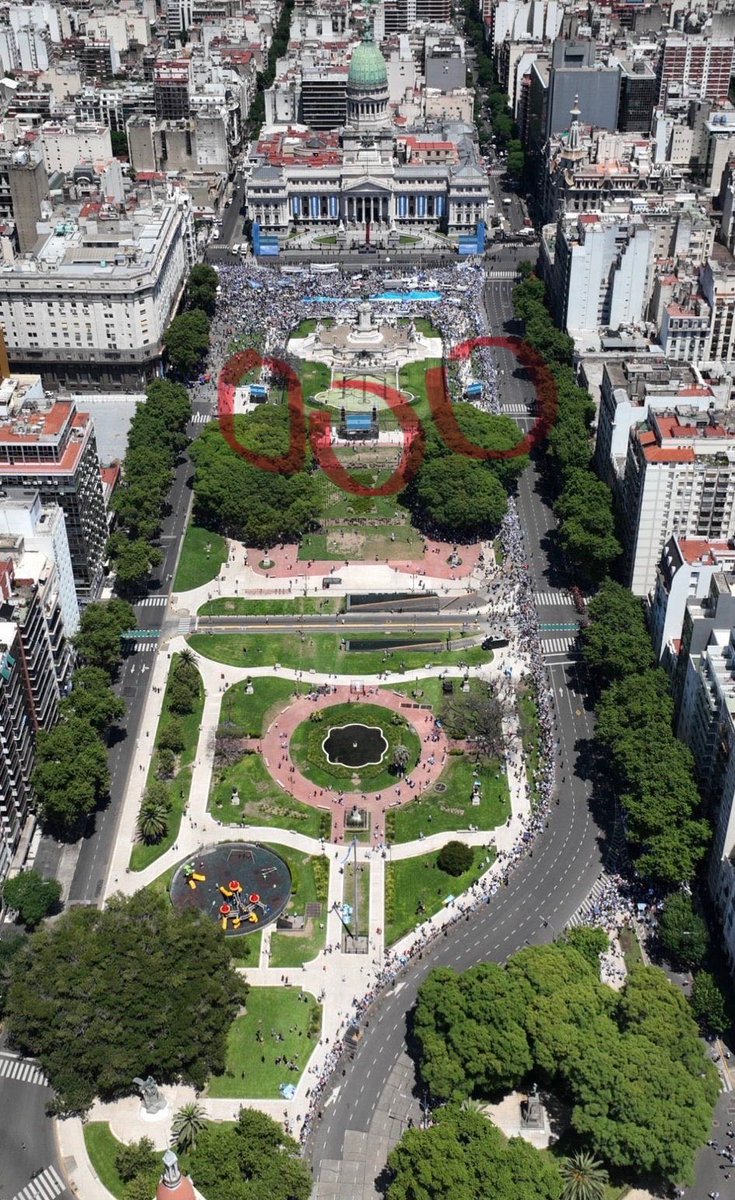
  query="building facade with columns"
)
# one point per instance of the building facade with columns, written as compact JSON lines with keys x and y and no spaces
{"x":370,"y":173}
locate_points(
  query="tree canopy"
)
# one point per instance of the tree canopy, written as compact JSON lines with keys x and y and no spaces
{"x":631,"y":1064}
{"x":201,"y":289}
{"x":32,"y":896}
{"x":243,"y":500}
{"x":70,"y":777}
{"x":92,"y":699}
{"x":98,"y":638}
{"x":616,"y":641}
{"x":137,"y":988}
{"x":463,"y":1156}
{"x":187,"y":341}
{"x":682,"y":932}
{"x":489,"y":431}
{"x":459,"y":497}
{"x":255,"y":1158}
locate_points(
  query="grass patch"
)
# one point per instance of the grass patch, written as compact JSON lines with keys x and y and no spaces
{"x":412,"y":378}
{"x":102,"y":1147}
{"x":238,"y":607}
{"x":262,"y":801}
{"x":310,"y":758}
{"x":246,"y":949}
{"x":362,"y":543}
{"x":309,"y":884}
{"x":309,"y":324}
{"x":324,"y":652}
{"x":531,"y":737}
{"x":631,"y":948}
{"x":314,"y":377}
{"x":202,"y":555}
{"x":361,"y":927}
{"x":243,"y":716}
{"x":435,"y":812}
{"x":416,"y":888}
{"x":278,"y":1022}
{"x":499,"y":552}
{"x":142,"y":855}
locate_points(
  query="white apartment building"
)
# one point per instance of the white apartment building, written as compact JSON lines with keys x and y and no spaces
{"x":685,"y":574}
{"x":93,"y":303}
{"x":65,"y":146}
{"x":42,"y":528}
{"x":599,"y":271}
{"x":679,"y":478}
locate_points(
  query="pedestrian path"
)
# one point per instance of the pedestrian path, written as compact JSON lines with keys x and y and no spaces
{"x":503,"y":275}
{"x":558,"y":598}
{"x":22,"y":1070}
{"x":515,"y":410}
{"x":45,"y":1186}
{"x":151,"y":601}
{"x":585,"y":911}
{"x":200,"y":418}
{"x":144,"y":644}
{"x":558,"y":645}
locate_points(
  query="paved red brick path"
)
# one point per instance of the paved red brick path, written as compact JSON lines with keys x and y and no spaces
{"x":434,"y":562}
{"x":277,"y":757}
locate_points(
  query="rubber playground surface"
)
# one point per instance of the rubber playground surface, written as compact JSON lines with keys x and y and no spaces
{"x":241,"y":885}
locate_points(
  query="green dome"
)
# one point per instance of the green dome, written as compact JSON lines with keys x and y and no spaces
{"x":367,"y":65}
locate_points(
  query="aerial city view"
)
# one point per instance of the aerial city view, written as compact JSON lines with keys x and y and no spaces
{"x":367,"y":600}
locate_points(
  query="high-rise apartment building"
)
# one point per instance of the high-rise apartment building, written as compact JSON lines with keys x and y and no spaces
{"x":51,"y":447}
{"x":692,"y":64}
{"x":171,"y":80}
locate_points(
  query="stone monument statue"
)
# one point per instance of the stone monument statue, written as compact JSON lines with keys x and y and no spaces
{"x":153,"y":1099}
{"x":532,"y":1112}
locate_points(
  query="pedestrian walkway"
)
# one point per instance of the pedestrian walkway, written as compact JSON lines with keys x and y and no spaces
{"x":45,"y":1186}
{"x":200,"y":418}
{"x":22,"y":1070}
{"x":151,"y":601}
{"x":516,"y":410}
{"x":558,"y":645}
{"x":143,"y":644}
{"x":552,"y":598}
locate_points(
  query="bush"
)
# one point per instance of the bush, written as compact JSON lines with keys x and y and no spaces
{"x":455,"y":858}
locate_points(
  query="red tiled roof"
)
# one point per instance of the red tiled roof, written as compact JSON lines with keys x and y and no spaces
{"x":669,"y":454}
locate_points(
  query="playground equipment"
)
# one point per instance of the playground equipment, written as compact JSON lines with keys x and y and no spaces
{"x":193,"y":877}
{"x":250,"y":908}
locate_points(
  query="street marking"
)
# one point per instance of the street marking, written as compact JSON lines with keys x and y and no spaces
{"x":23,"y":1070}
{"x":560,"y":645}
{"x":151,"y":600}
{"x":559,"y":598}
{"x":45,"y":1186}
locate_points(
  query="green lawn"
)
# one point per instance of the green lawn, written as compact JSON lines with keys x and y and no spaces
{"x":314,"y":377}
{"x":262,"y":801}
{"x":415,"y":889}
{"x":530,"y":735}
{"x":246,"y":949}
{"x":309,"y":884}
{"x":242,"y":715}
{"x":102,"y":1146}
{"x":307,"y":753}
{"x":236,"y":606}
{"x":362,"y":543}
{"x":323,"y":652}
{"x":309,"y":324}
{"x":289,"y":1023}
{"x":142,"y":855}
{"x":361,"y":927}
{"x":202,"y":555}
{"x":434,"y":812}
{"x":631,"y":948}
{"x":426,"y":692}
{"x":412,"y":378}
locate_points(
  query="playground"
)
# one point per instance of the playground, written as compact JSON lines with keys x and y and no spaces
{"x":242,"y":886}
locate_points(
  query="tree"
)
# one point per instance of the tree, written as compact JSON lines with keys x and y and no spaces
{"x":682,"y":932}
{"x":172,"y":737}
{"x":98,"y":638}
{"x":616,"y":641}
{"x":187,"y":341}
{"x":463,"y":1156}
{"x":93,"y":700}
{"x":119,"y":141}
{"x":143,"y":1185}
{"x":708,"y":1003}
{"x":455,"y":858}
{"x":240,"y":499}
{"x":137,"y":1158}
{"x":154,"y":811}
{"x":31,"y":896}
{"x":253,"y":1158}
{"x":458,"y":497}
{"x":584,"y":1177}
{"x":188,"y":1123}
{"x":165,"y":763}
{"x":134,"y":561}
{"x":589,"y":941}
{"x":184,"y":688}
{"x":476,"y":715}
{"x":202,"y":287}
{"x":71,"y":776}
{"x":587,"y":524}
{"x":400,"y":758}
{"x":92,"y":996}
{"x":486,"y":430}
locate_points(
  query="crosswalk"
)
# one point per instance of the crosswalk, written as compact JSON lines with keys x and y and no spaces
{"x":22,"y":1070}
{"x":145,"y":644}
{"x":503,"y":275}
{"x":586,"y":909}
{"x":552,"y":598}
{"x":151,"y":601}
{"x":45,"y":1186}
{"x":200,"y":418}
{"x":515,"y":410}
{"x":185,"y":625}
{"x":558,"y":645}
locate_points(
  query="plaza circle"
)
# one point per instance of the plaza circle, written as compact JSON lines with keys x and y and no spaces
{"x":275,"y":748}
{"x":250,"y":881}
{"x":376,"y":771}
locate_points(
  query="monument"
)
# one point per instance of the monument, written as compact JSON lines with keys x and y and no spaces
{"x":173,"y":1183}
{"x":532,"y":1110}
{"x":155,"y":1105}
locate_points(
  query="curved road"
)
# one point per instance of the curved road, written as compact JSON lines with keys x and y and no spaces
{"x":373,"y":1098}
